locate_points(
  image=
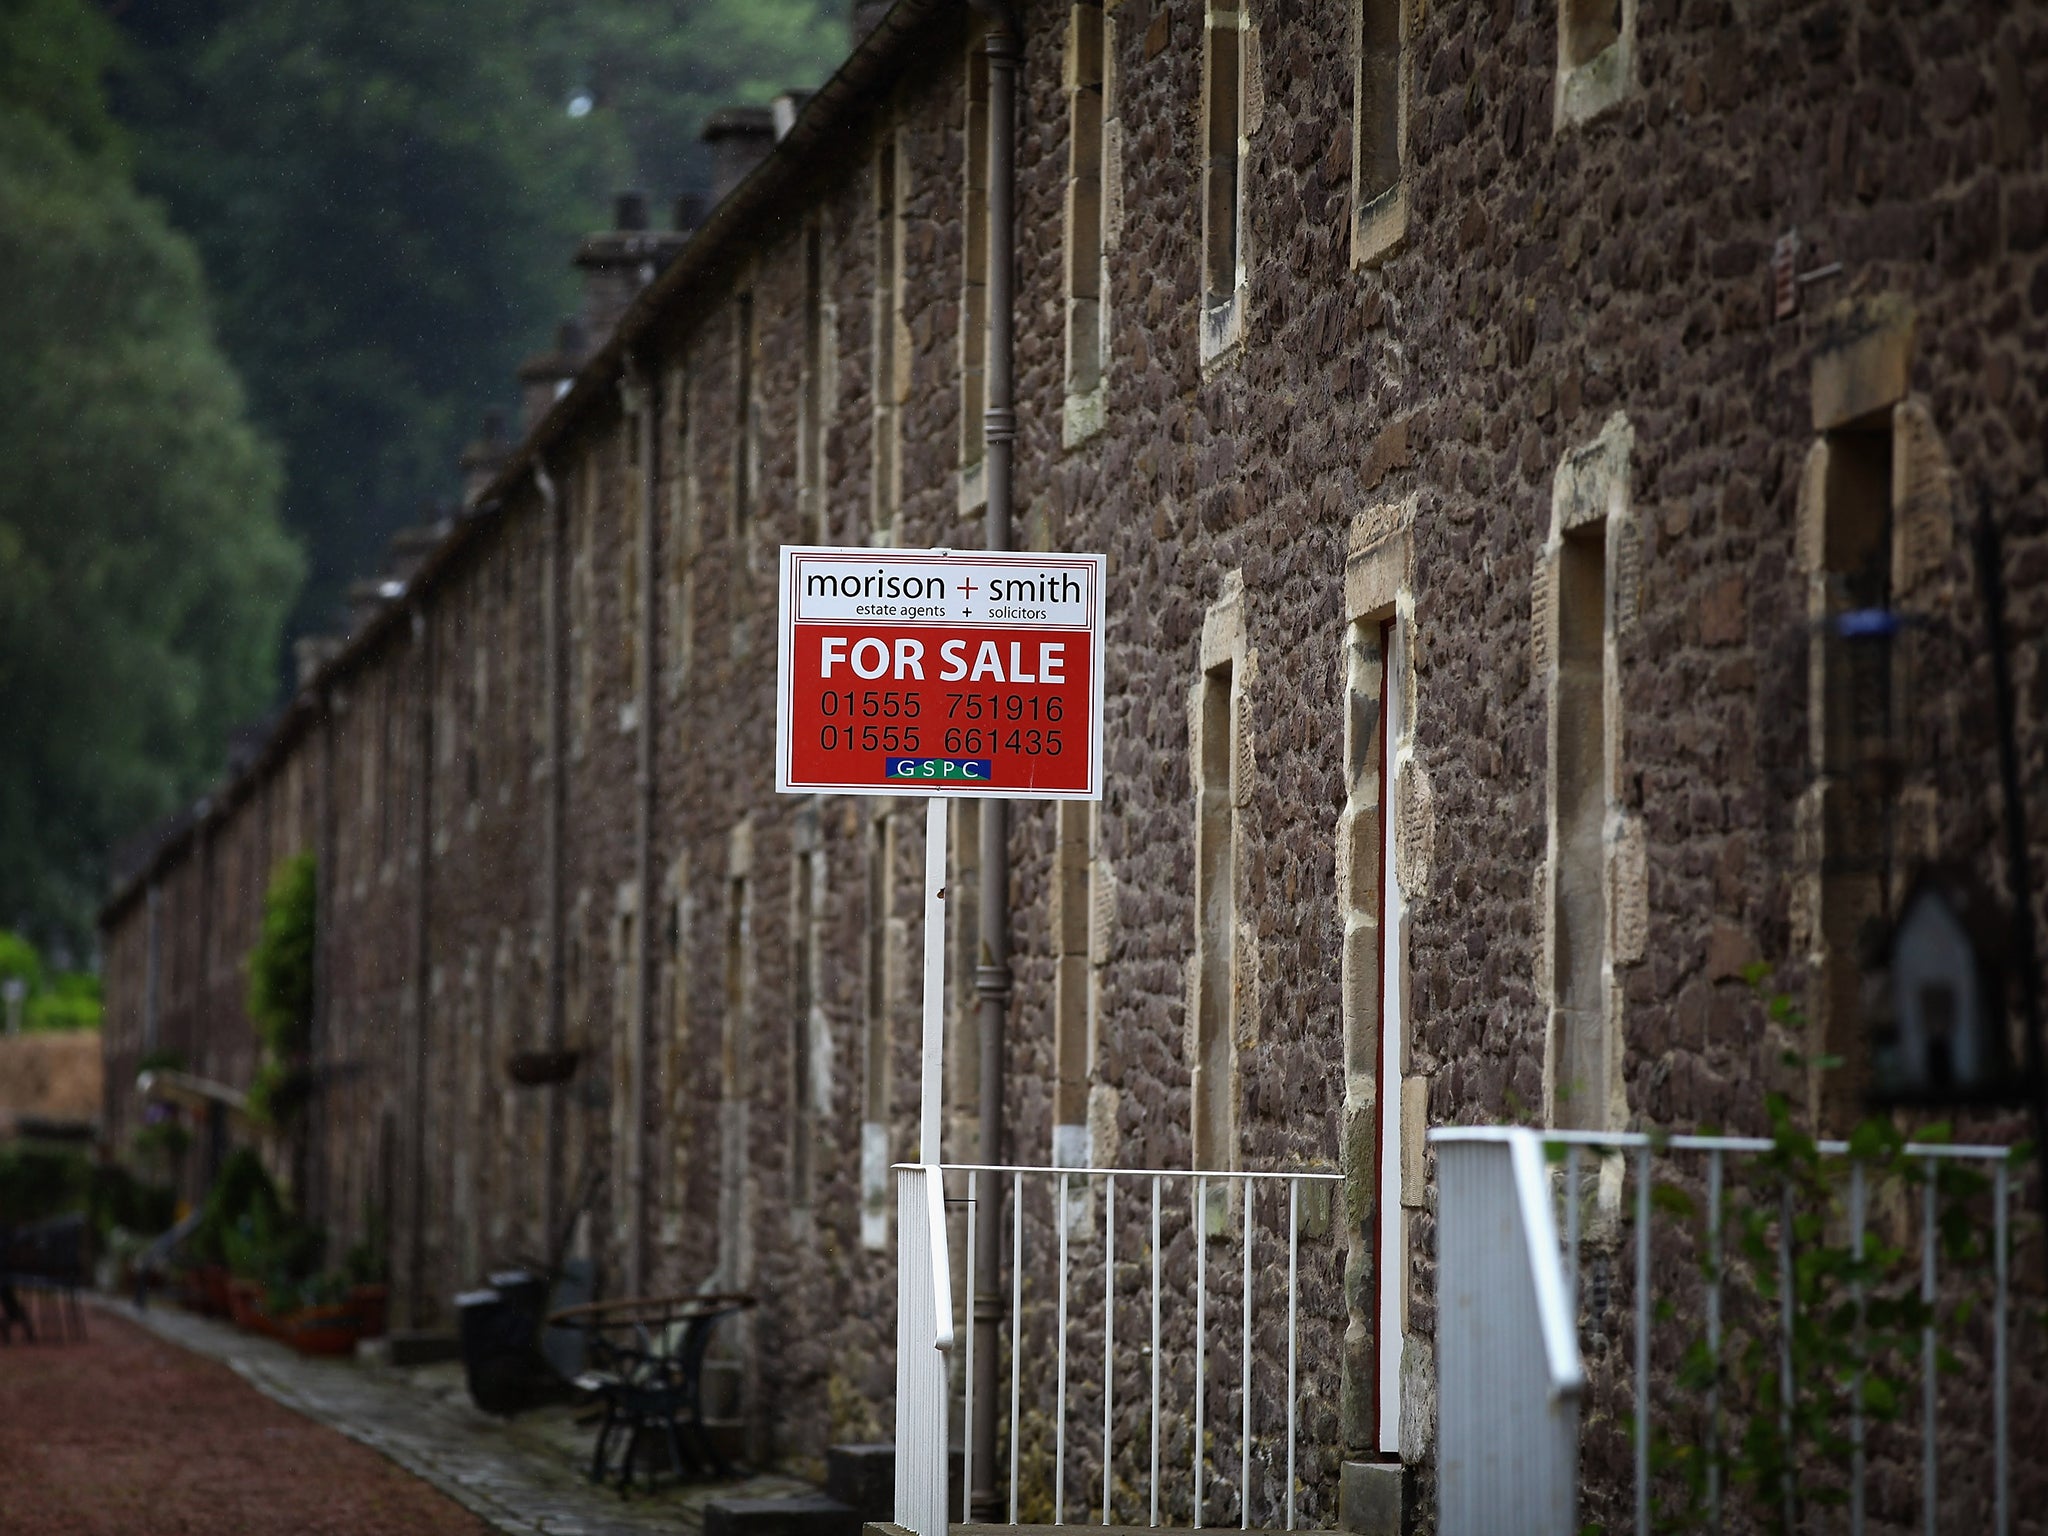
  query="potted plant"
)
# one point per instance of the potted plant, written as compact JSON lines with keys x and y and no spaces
{"x":368,"y":1293}
{"x":324,"y":1321}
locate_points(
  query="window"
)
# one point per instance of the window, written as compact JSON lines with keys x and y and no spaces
{"x":385,"y":773}
{"x":583,"y":509}
{"x":1072,"y":1015}
{"x":745,"y":341}
{"x":736,"y":1040}
{"x":1852,"y":704}
{"x":679,"y":539}
{"x":1579,"y":797}
{"x":738,"y":986}
{"x":1085,"y":125}
{"x":963,"y":924}
{"x":515,"y":642}
{"x":810,"y":463}
{"x":974,"y":281}
{"x":630,"y":533}
{"x":876,"y":1035}
{"x":627,"y":1114}
{"x":1379,"y":190}
{"x":1596,"y":902}
{"x":1595,"y":57}
{"x":677,"y":1057}
{"x":806,"y":882}
{"x":891,"y":344}
{"x":1222,"y":180}
{"x":1214,"y":1074}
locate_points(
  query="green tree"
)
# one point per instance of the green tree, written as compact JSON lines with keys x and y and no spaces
{"x":143,"y":572}
{"x":387,"y":193}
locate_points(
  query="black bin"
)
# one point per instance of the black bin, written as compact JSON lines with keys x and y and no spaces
{"x":499,"y":1360}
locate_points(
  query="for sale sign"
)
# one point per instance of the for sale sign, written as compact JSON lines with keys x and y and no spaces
{"x":919,"y":672}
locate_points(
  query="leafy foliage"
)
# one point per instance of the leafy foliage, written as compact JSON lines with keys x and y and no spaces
{"x":281,"y":962}
{"x":161,"y":1144}
{"x":143,"y":570}
{"x":241,"y":1188}
{"x":1823,"y":1320}
{"x":38,"y":1182}
{"x":52,"y":1000}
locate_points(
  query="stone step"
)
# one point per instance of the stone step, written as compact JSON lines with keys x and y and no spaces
{"x":864,"y":1477}
{"x":802,"y":1515}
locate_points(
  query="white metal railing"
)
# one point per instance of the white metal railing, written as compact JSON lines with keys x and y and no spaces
{"x":1171,"y":1206}
{"x":1478,"y":1246}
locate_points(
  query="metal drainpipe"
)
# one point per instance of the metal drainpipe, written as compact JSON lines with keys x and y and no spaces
{"x":313,"y":1149}
{"x":992,"y":977}
{"x":643,"y":392}
{"x":152,"y":966}
{"x":416,"y":1216}
{"x":555,"y":1023}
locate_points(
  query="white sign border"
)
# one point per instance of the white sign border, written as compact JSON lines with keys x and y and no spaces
{"x":785,"y":628}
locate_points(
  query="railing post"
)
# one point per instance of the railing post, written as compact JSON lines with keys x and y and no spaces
{"x":1508,"y":1367}
{"x":924,"y":1332}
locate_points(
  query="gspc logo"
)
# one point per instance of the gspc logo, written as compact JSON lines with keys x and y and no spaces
{"x":970,"y":770}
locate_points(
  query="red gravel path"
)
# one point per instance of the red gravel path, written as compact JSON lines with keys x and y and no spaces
{"x":129,"y":1436}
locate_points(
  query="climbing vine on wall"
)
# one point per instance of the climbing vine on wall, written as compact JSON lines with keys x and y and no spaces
{"x":281,"y":992}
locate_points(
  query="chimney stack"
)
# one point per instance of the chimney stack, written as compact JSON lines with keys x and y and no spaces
{"x":863,"y":16}
{"x":544,"y":376}
{"x":785,"y":109}
{"x":482,"y":459}
{"x":312,"y":652}
{"x":740,"y":138}
{"x":617,"y":263}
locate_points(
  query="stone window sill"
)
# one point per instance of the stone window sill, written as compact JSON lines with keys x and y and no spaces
{"x":1586,"y":90}
{"x":1381,"y":228}
{"x":1223,"y":330}
{"x":1081,"y":416}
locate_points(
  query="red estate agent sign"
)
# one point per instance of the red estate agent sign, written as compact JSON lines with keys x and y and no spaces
{"x":914,"y":672}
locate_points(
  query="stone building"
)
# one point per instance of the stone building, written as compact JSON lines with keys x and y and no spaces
{"x":1482,"y":407}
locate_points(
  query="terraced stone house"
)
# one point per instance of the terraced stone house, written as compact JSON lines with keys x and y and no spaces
{"x":1484,"y":409}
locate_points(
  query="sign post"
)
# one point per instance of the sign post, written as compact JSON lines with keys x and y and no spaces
{"x":941,"y":673}
{"x":946,"y":674}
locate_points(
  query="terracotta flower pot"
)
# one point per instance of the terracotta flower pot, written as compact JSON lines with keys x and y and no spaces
{"x":369,"y":1302}
{"x":214,"y":1281}
{"x":324,"y":1330}
{"x":245,"y":1305}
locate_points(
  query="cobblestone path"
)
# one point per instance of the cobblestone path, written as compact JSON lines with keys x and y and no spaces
{"x":125,"y":1435}
{"x":511,"y":1478}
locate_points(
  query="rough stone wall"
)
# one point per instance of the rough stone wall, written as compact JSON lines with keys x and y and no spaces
{"x":1550,"y":278}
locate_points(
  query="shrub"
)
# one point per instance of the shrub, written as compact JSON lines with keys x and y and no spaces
{"x":117,"y":1199}
{"x":38,"y":1182}
{"x":70,"y":1000}
{"x":281,"y":963}
{"x":242,"y":1188}
{"x":52,"y":1000}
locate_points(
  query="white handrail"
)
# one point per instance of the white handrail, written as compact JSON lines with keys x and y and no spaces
{"x":924,"y":1311}
{"x":1546,"y":1269}
{"x":941,"y":1265}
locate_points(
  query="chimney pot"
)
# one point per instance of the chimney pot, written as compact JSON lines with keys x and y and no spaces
{"x":740,"y":138}
{"x":630,"y":211}
{"x":786,"y":109}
